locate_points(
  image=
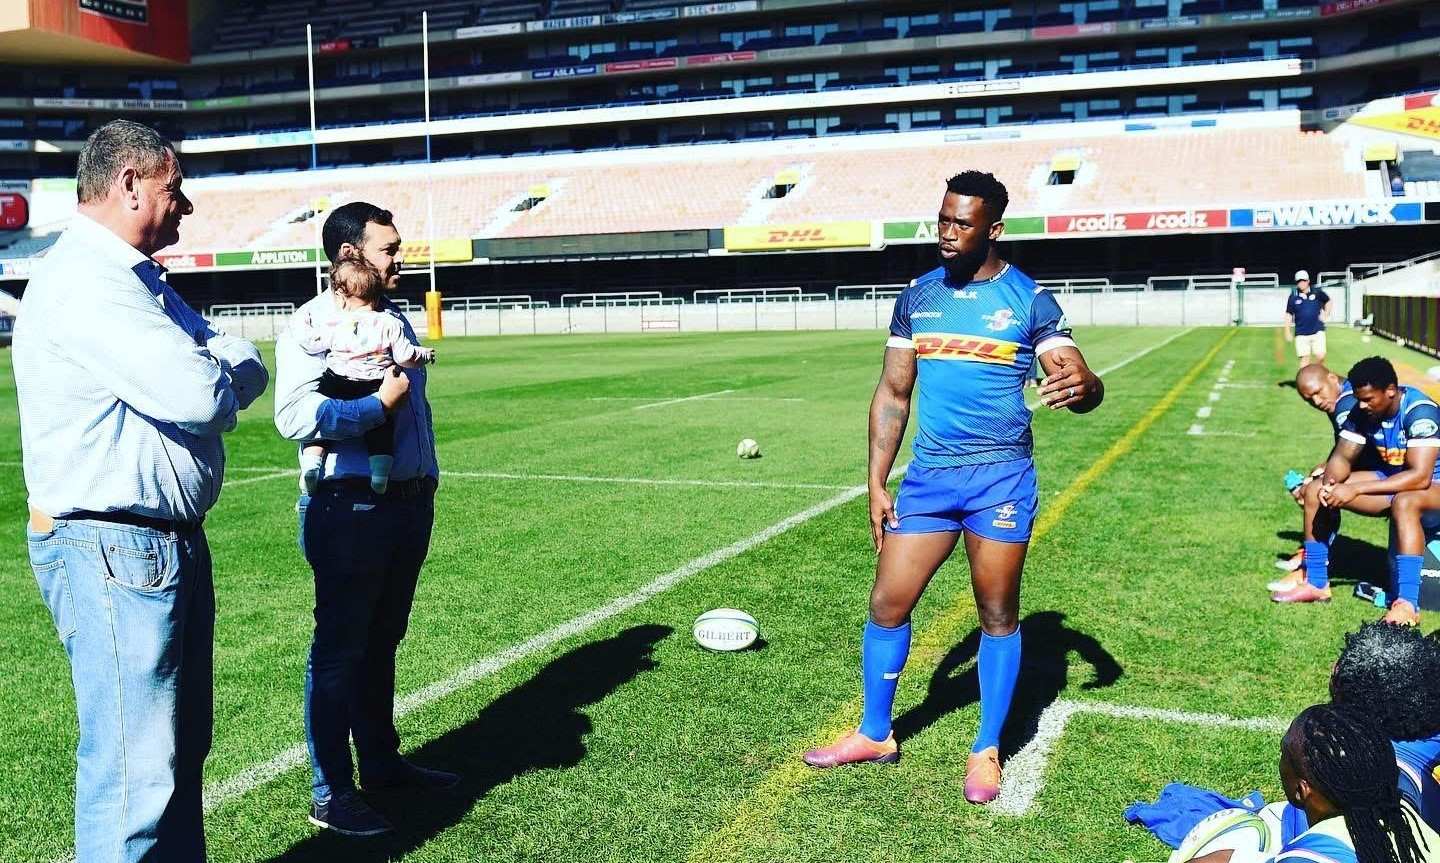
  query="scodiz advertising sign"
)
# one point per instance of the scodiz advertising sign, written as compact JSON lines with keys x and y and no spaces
{"x":1138,"y":221}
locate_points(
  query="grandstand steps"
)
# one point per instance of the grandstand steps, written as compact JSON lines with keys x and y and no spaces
{"x":278,"y":231}
{"x":506,"y":214}
{"x":761,"y":207}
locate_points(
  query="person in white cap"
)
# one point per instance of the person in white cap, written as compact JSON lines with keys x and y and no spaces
{"x":1306,"y":312}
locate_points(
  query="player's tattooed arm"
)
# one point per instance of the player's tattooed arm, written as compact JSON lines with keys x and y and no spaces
{"x":889,"y":413}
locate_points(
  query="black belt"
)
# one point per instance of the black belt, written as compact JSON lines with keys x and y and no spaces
{"x":164,"y":525}
{"x":402,"y":488}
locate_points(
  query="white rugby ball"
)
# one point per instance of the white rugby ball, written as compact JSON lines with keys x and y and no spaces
{"x":747,"y":448}
{"x":725,"y":629}
{"x":1248,"y":837}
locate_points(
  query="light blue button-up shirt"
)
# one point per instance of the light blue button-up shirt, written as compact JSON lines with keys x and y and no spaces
{"x":123,"y":393}
{"x":303,"y":414}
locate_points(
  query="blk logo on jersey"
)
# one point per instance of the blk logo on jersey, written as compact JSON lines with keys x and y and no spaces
{"x":1004,"y":516}
{"x":950,"y":346}
{"x":1001,"y":320}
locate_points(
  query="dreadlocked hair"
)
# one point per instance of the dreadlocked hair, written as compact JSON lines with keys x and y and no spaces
{"x":1350,"y":761}
{"x":1392,"y":673}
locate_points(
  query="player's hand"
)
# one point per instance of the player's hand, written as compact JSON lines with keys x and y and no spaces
{"x":394,"y":390}
{"x":882,"y":513}
{"x":1067,"y":387}
{"x":1337,"y":495}
{"x":1289,"y":336}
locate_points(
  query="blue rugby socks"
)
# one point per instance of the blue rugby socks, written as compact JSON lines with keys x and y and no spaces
{"x":1407,"y":578}
{"x":999,"y":666}
{"x":883,"y":652}
{"x":1317,"y":563}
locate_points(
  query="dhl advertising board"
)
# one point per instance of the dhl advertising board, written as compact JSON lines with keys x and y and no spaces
{"x":1413,"y":115}
{"x":780,"y":238}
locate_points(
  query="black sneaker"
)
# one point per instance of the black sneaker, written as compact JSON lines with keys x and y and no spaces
{"x":347,"y":813}
{"x":411,"y":776}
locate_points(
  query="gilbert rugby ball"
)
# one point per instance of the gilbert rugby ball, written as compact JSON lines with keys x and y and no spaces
{"x":725,"y":629}
{"x":1245,"y":834}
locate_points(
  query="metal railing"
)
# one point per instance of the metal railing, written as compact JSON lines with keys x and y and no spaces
{"x":616,"y":298}
{"x":753,"y":295}
{"x":1071,"y":286}
{"x":1223,"y":281}
{"x":504,"y":301}
{"x":868,"y":292}
{"x":232,"y":309}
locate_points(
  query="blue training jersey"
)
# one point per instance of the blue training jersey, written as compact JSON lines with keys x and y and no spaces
{"x":1418,"y":760}
{"x":1327,"y":842}
{"x":973,"y":348}
{"x":1343,"y":406}
{"x":1369,"y":459}
{"x":1416,"y":424}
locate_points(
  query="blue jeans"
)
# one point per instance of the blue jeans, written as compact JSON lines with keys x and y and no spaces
{"x":365,"y":551}
{"x":135,"y":611}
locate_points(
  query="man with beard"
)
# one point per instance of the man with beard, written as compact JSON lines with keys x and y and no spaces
{"x":965,"y":333}
{"x":365,"y":547}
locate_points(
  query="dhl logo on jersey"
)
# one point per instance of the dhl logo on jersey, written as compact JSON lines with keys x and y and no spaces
{"x":1392,"y":454}
{"x":949,"y":346}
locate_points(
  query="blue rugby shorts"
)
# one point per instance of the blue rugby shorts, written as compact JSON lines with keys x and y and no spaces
{"x":994,"y":501}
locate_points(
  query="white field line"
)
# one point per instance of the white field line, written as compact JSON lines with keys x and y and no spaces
{"x":1155,"y":347}
{"x":1025,"y":773}
{"x":275,"y":473}
{"x":732,"y":399}
{"x":634,"y":480}
{"x":685,"y":399}
{"x":219,"y":793}
{"x":1032,"y":404}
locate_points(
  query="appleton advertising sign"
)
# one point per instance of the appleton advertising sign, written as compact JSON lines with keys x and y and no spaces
{"x":1180,"y":221}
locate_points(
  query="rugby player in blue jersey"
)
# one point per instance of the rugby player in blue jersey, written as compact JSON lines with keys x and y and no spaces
{"x":963,"y":335}
{"x":1323,"y":390}
{"x":1403,"y":424}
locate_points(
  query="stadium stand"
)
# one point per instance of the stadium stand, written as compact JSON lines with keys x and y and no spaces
{"x":711,"y":188}
{"x":651,"y":116}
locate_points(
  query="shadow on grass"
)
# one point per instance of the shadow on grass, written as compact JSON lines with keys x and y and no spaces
{"x":1351,"y":560}
{"x":536,"y":726}
{"x":1044,"y":673}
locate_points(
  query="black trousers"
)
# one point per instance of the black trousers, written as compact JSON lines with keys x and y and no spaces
{"x":379,"y":440}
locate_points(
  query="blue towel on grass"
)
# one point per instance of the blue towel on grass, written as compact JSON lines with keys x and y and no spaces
{"x":1181,"y":807}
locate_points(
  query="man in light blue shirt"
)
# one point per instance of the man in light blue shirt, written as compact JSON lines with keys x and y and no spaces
{"x":365,"y":548}
{"x":124,"y":392}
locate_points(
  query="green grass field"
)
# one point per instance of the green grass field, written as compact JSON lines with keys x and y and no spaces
{"x":583,"y":524}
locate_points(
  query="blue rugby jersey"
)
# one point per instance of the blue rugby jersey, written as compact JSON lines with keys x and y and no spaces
{"x":1343,"y":406}
{"x":973,"y":347}
{"x":1327,"y":842}
{"x":1416,"y":423}
{"x":1418,"y":761}
{"x":1369,"y":459}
